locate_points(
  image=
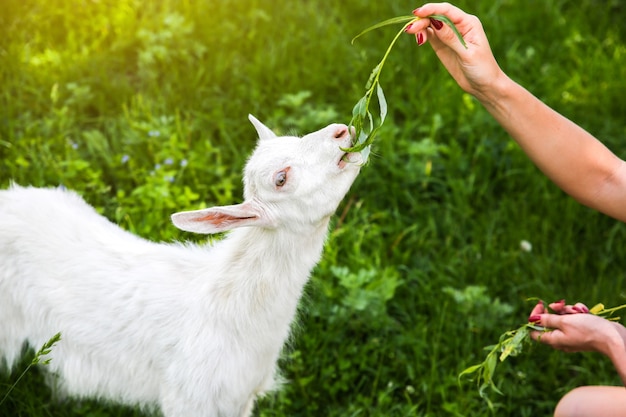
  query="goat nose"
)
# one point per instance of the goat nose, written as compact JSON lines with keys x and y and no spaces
{"x":341,"y":132}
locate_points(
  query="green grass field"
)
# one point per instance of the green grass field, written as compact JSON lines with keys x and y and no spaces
{"x":142,"y":108}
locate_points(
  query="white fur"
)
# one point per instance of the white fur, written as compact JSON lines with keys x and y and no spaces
{"x":193,"y":330}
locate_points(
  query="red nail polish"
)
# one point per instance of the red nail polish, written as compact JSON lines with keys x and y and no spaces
{"x":420,"y":39}
{"x":585,"y":309}
{"x":416,"y":11}
{"x":409,"y":26}
{"x":437,"y":24}
{"x":534,"y":318}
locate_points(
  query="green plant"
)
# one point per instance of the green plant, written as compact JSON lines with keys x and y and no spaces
{"x":38,"y":359}
{"x":362,"y":119}
{"x":473,"y":300}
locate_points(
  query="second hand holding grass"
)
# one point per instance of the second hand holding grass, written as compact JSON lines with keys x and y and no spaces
{"x":362,"y":119}
{"x":511,"y":343}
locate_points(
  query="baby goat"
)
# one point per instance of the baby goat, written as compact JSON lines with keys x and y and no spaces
{"x":193,"y":330}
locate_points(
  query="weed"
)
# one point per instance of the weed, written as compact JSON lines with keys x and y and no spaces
{"x":45,"y":350}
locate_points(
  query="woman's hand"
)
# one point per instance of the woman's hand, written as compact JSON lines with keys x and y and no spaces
{"x":572,"y":330}
{"x":474,"y":68}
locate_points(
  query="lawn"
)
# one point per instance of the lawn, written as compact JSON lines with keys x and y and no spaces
{"x":142,"y":108}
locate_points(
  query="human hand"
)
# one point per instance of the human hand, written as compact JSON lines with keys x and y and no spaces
{"x":571,"y":330}
{"x":474,"y":68}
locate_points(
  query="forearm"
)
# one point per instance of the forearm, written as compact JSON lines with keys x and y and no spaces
{"x":572,"y":158}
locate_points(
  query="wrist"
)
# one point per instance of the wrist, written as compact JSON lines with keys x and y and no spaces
{"x":616,"y":350}
{"x":497,"y":93}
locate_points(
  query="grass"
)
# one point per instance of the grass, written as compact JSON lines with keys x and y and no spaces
{"x":141,"y":107}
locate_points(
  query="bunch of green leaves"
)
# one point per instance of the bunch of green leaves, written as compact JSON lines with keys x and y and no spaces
{"x":362,"y":120}
{"x":511,"y":343}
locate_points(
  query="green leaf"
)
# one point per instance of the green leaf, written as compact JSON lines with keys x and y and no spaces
{"x":448,"y":22}
{"x":392,"y":21}
{"x":365,"y":154}
{"x":382,"y":103}
{"x":372,"y":77}
{"x":371,"y":120}
{"x":472,"y":369}
{"x":513,"y":345}
{"x":364,"y":140}
{"x":597,"y":308}
{"x":360,"y":108}
{"x":489,"y":367}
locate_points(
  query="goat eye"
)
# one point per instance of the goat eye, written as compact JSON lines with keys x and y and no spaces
{"x":280,"y":179}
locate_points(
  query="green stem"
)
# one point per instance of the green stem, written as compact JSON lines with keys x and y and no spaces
{"x":611,"y":310}
{"x":45,"y":349}
{"x":387,"y":52}
{"x":375,"y":82}
{"x":19,"y":378}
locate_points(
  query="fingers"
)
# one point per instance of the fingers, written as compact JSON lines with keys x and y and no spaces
{"x":580,"y":308}
{"x":560,"y":307}
{"x":429,"y":9}
{"x":548,"y":321}
{"x":423,"y":27}
{"x":418,"y":26}
{"x":537,"y":310}
{"x":451,"y":12}
{"x":419,"y":29}
{"x":575,"y":309}
{"x":421,"y":36}
{"x":553,"y":338}
{"x":463,"y":22}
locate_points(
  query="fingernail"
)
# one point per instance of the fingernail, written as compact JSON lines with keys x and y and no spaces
{"x":584,"y":309}
{"x":577,"y":309}
{"x":437,"y":24}
{"x":534,"y":318}
{"x":416,"y":11}
{"x":408,"y":27}
{"x":420,"y":39}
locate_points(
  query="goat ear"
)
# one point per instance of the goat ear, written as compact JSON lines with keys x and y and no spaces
{"x":221,"y":219}
{"x":263,"y":131}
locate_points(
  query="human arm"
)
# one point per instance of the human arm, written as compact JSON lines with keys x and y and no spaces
{"x":571,"y":157}
{"x":581,"y":333}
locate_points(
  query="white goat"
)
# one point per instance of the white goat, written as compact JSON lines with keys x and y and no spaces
{"x":193,"y":330}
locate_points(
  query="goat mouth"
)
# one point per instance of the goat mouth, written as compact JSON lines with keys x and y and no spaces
{"x":346,"y":158}
{"x":350,"y":157}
